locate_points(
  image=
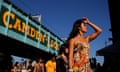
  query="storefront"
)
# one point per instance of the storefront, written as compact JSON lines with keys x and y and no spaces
{"x":22,"y":36}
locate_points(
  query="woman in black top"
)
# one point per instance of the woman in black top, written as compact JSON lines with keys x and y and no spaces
{"x":61,"y":60}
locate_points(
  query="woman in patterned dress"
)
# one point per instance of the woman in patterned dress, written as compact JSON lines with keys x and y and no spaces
{"x":78,"y":45}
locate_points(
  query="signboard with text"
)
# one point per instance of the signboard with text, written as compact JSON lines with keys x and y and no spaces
{"x":21,"y":27}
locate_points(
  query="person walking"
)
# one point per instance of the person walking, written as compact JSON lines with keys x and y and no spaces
{"x":51,"y":64}
{"x":39,"y":66}
{"x":62,"y":59}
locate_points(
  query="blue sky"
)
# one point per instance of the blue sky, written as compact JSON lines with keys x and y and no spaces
{"x":59,"y":15}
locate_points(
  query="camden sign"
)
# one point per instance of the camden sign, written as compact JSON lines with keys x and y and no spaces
{"x":16,"y":25}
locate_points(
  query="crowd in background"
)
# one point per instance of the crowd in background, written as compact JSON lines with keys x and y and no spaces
{"x":54,"y":64}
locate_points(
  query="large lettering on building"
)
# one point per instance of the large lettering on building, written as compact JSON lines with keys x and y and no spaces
{"x":19,"y":26}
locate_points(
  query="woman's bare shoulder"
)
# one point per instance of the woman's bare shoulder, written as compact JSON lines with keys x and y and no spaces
{"x":72,"y":40}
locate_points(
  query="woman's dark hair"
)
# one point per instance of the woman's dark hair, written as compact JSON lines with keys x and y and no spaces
{"x":62,"y":48}
{"x":75,"y":29}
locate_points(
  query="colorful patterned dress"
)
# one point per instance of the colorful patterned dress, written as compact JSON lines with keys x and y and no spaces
{"x":81,"y":57}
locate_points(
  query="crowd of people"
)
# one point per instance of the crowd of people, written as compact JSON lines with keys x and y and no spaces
{"x":38,"y":65}
{"x":54,"y":64}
